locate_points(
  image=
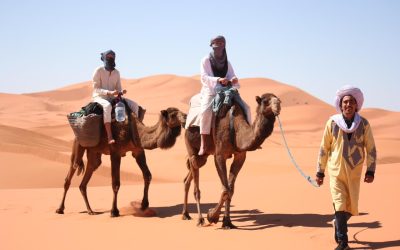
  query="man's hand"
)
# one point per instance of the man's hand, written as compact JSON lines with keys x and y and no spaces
{"x":319,"y":180}
{"x":124,"y":91}
{"x":113,"y":93}
{"x":223,"y":81}
{"x":234,"y":80}
{"x":368,"y":179}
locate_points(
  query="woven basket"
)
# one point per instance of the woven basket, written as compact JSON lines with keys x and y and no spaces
{"x":86,"y":128}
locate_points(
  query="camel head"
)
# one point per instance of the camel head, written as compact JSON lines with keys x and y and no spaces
{"x":174,"y":120}
{"x":268,"y":104}
{"x":173,"y":117}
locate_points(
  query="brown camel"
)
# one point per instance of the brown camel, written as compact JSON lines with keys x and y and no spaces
{"x":132,"y":136}
{"x":227,"y":142}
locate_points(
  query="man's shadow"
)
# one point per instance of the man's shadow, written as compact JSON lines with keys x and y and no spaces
{"x":373,"y":245}
{"x":164,"y":212}
{"x":376,"y":245}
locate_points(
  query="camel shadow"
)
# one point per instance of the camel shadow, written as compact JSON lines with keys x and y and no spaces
{"x":164,"y":212}
{"x":95,"y":212}
{"x":260,"y":220}
{"x":161,"y":212}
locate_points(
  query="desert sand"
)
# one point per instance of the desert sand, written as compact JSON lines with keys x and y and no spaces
{"x":274,"y":207}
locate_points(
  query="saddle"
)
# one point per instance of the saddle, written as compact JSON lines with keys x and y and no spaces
{"x":221,"y":103}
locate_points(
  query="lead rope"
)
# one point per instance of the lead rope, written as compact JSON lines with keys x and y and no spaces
{"x":307,"y":177}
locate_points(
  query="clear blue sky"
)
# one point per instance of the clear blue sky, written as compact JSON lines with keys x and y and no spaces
{"x":315,"y":45}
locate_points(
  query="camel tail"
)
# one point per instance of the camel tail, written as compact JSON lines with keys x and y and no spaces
{"x":77,"y":157}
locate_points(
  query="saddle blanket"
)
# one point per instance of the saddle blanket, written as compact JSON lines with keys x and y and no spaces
{"x":193,"y":117}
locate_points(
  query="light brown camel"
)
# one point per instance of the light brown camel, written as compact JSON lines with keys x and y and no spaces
{"x":132,"y":136}
{"x":243,"y":137}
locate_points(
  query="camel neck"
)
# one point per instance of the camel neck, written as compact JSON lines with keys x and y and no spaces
{"x":256,"y":134}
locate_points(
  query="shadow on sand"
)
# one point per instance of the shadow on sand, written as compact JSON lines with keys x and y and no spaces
{"x":258,"y":220}
{"x":373,"y":245}
{"x":376,"y":245}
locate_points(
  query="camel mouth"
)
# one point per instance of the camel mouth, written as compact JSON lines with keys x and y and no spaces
{"x":276,"y":111}
{"x":276,"y":105}
{"x":182,"y":119}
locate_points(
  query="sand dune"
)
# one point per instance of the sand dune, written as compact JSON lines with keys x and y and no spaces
{"x":274,"y":206}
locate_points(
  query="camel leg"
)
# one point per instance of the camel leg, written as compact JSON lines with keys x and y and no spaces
{"x":213,"y":213}
{"x":67,"y":183}
{"x":94,"y":160}
{"x":141,"y":161}
{"x":115,"y":176}
{"x":195,"y":175}
{"x":196,"y":162}
{"x":236,"y":166}
{"x":76,"y":161}
{"x":187,"y":181}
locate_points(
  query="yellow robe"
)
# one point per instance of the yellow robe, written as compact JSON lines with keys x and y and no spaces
{"x":344,"y":159}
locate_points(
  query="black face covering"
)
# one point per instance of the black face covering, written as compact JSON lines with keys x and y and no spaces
{"x":109,"y":63}
{"x":218,"y":58}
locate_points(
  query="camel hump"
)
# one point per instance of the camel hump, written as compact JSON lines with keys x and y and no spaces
{"x":193,"y":118}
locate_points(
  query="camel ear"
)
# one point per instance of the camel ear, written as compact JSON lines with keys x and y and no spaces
{"x":164,"y":113}
{"x":258,"y":99}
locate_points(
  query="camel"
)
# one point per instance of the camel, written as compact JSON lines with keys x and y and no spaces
{"x":132,"y":136}
{"x":227,"y":142}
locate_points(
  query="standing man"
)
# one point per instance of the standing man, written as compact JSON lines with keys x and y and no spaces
{"x":347,"y":141}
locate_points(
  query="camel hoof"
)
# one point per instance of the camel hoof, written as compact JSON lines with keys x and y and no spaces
{"x":60,"y":211}
{"x":200,"y":222}
{"x":227,"y":224}
{"x":228,"y":227}
{"x":186,"y":216}
{"x":144,"y":205}
{"x":115,"y":213}
{"x":212,"y":217}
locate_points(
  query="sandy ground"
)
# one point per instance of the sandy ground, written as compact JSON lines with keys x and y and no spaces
{"x":274,"y":207}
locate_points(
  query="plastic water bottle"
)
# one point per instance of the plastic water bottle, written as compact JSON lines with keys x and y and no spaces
{"x":120,"y":111}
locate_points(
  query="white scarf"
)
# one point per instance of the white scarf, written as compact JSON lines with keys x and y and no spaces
{"x":339,"y":120}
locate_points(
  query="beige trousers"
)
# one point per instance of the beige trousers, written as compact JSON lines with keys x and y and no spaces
{"x":105,"y":103}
